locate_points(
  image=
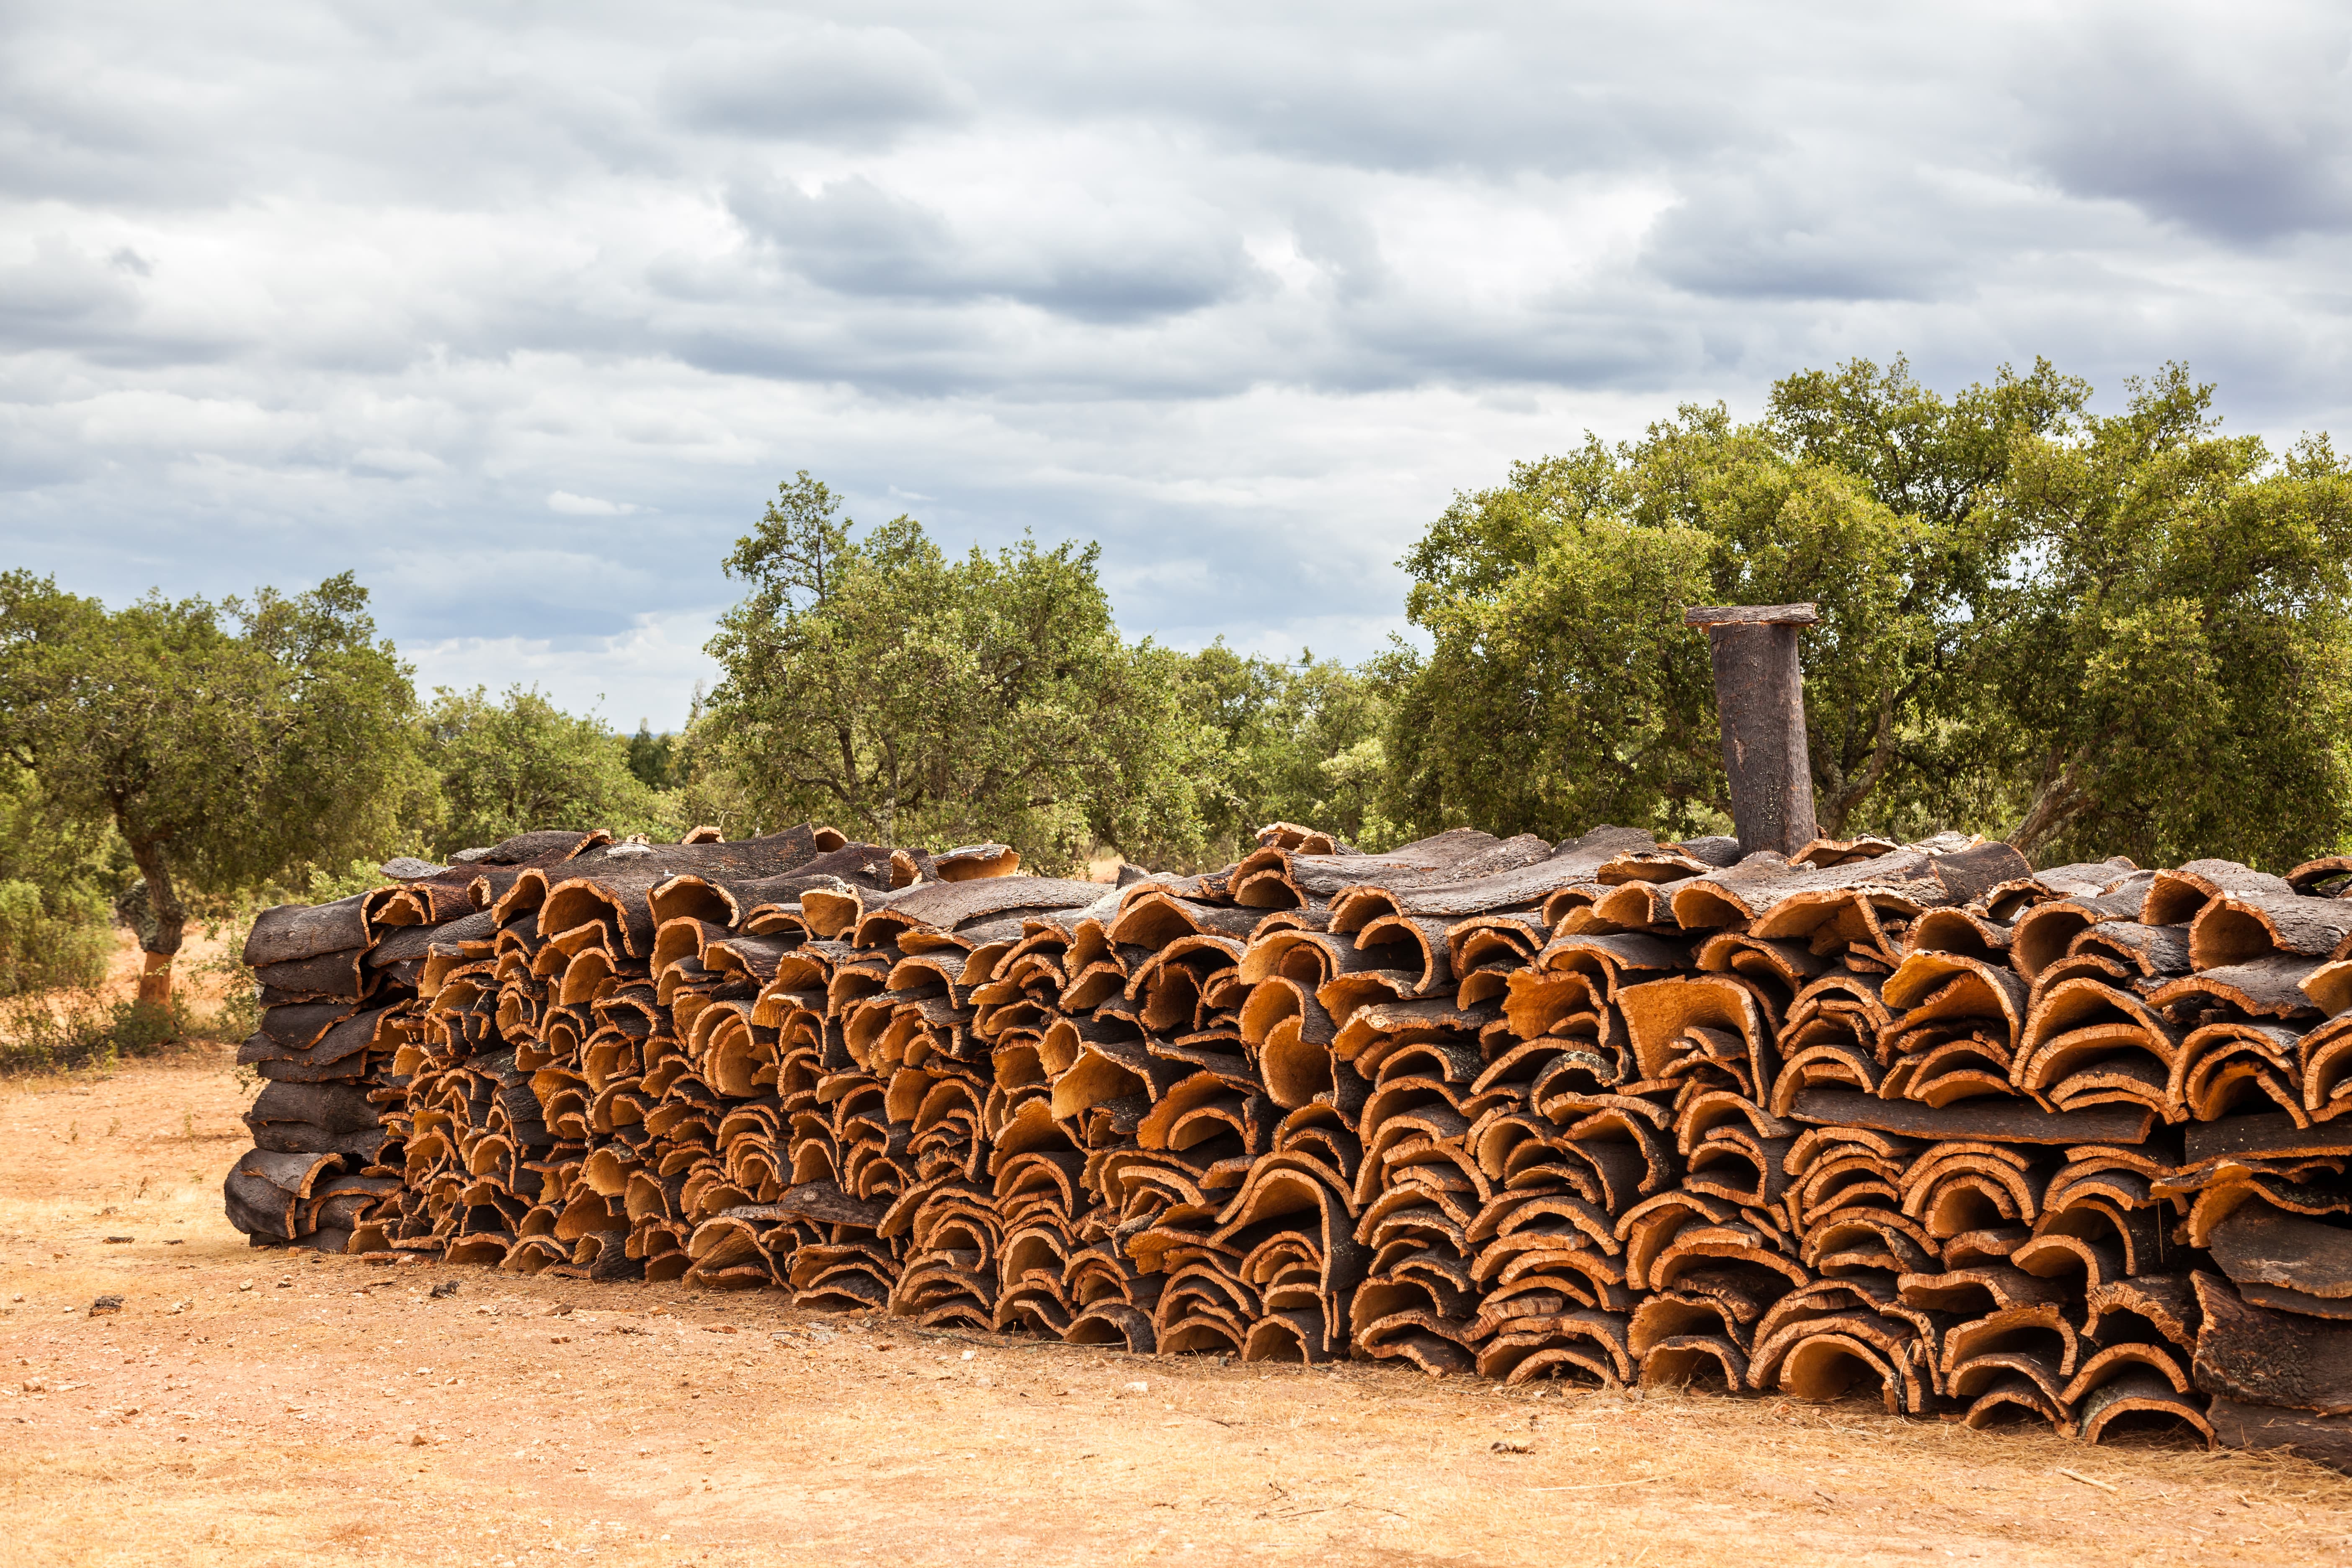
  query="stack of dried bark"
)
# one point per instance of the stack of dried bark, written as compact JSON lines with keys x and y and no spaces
{"x":317,"y":1130}
{"x":2058,"y":1146}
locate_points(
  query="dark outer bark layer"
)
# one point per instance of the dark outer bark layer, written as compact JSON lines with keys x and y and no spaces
{"x":2261,"y":1357}
{"x":1759,"y":698}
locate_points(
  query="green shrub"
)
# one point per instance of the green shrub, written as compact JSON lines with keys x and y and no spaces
{"x":52,"y":943}
{"x":73,"y":1027}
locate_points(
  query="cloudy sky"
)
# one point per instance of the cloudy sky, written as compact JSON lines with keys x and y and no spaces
{"x":519,"y":310}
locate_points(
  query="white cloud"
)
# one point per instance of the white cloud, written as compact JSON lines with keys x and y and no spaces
{"x":1246,"y":294}
{"x":586,"y":506}
{"x":647,"y":673}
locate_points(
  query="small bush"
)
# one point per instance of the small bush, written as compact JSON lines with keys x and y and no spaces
{"x":76,"y":1026}
{"x":59,"y":941}
{"x":240,"y":1012}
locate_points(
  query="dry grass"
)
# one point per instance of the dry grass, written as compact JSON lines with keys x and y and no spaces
{"x":212,"y":1424}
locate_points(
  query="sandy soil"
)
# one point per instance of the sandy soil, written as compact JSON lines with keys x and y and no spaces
{"x":261,"y":1408}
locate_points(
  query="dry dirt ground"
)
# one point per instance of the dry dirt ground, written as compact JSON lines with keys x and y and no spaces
{"x":255,"y":1408}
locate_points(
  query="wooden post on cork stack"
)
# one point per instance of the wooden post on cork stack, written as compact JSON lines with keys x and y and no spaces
{"x":1760,"y":697}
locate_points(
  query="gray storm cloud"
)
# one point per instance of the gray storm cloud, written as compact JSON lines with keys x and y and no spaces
{"x":521,"y":313}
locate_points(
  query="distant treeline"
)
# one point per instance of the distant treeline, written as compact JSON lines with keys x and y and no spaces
{"x":2110,"y":634}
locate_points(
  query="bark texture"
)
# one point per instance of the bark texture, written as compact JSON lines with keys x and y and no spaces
{"x":1912,"y":1121}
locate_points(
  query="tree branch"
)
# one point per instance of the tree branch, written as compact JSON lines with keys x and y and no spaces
{"x":1842,"y":801}
{"x":2060,"y":798}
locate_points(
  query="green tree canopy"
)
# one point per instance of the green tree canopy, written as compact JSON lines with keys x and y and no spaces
{"x":911,"y":697}
{"x":1297,"y":742}
{"x":228,"y":745}
{"x":653,"y":758}
{"x":2174,"y":675}
{"x":57,"y":876}
{"x":518,"y":762}
{"x":2036,"y":622}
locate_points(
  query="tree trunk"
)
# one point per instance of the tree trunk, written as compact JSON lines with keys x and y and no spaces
{"x":171,"y":922}
{"x":1760,"y":699}
{"x":2055,"y":804}
{"x":156,"y":981}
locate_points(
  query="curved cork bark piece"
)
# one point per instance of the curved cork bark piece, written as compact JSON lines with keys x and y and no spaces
{"x":1579,"y":862}
{"x":1980,"y":1288}
{"x":2176,"y":896}
{"x":2258,"y":1245}
{"x":2329,"y":986}
{"x":1822,"y":1358}
{"x":1305,"y":840}
{"x":2014,"y":1397}
{"x":947,"y":905}
{"x":340,"y":976}
{"x":2135,"y":1363}
{"x":1682,"y":1360}
{"x":1582,"y":1345}
{"x":540,"y":848}
{"x":1275,"y":878}
{"x":2088,"y":1044}
{"x":2238,"y":927}
{"x":291,"y":933}
{"x":2236,"y":1423}
{"x":975,"y":862}
{"x":2141,"y":951}
{"x":1960,"y":929}
{"x":2165,"y":1303}
{"x":2267,"y":987}
{"x":1661,"y":1015}
{"x":312,"y":1033}
{"x":2082,"y":880}
{"x":2235,"y":1068}
{"x":1930,"y":988}
{"x":2048,"y":931}
{"x":2326,"y":877}
{"x":1823,"y":852}
{"x":2259,"y":1356}
{"x":2275,"y":1135}
{"x":420,"y":903}
{"x":2015,"y":1121}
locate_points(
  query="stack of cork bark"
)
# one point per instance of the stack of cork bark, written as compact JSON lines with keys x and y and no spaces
{"x":2062,"y":1146}
{"x":318,"y":1134}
